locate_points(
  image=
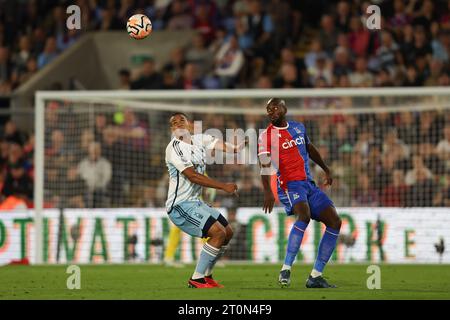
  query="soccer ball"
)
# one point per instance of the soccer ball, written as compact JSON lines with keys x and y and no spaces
{"x":139,"y":26}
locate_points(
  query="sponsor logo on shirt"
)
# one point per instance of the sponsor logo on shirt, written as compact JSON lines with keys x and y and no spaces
{"x":294,"y":142}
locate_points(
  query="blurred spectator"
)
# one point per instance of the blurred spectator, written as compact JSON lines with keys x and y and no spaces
{"x":322,"y":70}
{"x":359,"y":37}
{"x":328,"y":34}
{"x":264,"y":82}
{"x":443,"y":147}
{"x":115,"y":152}
{"x":340,"y":139}
{"x":101,"y":122}
{"x":388,"y":53}
{"x":431,"y":159}
{"x":364,"y":195}
{"x":400,"y":18}
{"x":229,"y":61}
{"x":179,"y":17}
{"x":249,"y":194}
{"x":199,"y":55}
{"x":204,"y":14}
{"x":435,"y":72}
{"x":394,"y":193}
{"x":343,"y":15}
{"x":340,"y":192}
{"x":133,"y":132}
{"x":73,"y":191}
{"x":407,"y":127}
{"x":49,"y":53}
{"x":149,"y":77}
{"x":20,"y":58}
{"x":342,"y":62}
{"x":65,"y":40}
{"x":176,"y":64}
{"x":108,"y":20}
{"x":12,"y":134}
{"x":96,"y":172}
{"x":418,"y":167}
{"x":30,"y":70}
{"x":6,"y":66}
{"x":18,"y":183}
{"x":412,"y":79}
{"x":442,"y":197}
{"x":289,"y":77}
{"x":441,"y":46}
{"x":422,"y":191}
{"x":313,"y":54}
{"x":190,"y":78}
{"x":124,"y":80}
{"x":393,"y":146}
{"x":260,"y":27}
{"x":361,"y":77}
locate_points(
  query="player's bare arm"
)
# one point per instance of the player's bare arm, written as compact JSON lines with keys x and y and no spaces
{"x":269,"y":199}
{"x":229,"y":147}
{"x":205,"y":181}
{"x":317,"y":158}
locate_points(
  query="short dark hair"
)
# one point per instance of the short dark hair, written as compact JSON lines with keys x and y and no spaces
{"x":276,"y":101}
{"x":177,"y":114}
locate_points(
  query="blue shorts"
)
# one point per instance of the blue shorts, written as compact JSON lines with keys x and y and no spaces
{"x":306,"y":191}
{"x":194,"y":217}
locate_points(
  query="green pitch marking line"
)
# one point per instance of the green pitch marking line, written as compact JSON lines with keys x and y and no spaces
{"x":240,"y":281}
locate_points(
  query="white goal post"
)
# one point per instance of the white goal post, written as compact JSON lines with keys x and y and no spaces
{"x":303,"y":103}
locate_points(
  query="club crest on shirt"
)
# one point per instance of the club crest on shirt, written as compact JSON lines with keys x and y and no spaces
{"x":297,"y":130}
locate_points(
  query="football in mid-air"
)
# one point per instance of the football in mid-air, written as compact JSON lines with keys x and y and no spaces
{"x":139,"y":26}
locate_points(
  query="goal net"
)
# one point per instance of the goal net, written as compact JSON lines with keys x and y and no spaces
{"x":101,"y":155}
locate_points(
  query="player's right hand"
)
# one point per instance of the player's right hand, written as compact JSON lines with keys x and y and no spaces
{"x":230,"y":188}
{"x":269,"y":201}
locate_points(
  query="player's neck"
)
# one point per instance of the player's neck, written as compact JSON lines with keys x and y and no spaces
{"x":184,"y":138}
{"x":283,"y":124}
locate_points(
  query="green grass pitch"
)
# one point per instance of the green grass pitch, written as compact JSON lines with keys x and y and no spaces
{"x":141,"y":281}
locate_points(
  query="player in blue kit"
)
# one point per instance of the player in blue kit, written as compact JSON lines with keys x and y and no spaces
{"x":286,"y":146}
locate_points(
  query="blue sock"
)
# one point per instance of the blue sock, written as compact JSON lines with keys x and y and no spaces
{"x":294,"y":241}
{"x":326,"y":247}
{"x":207,"y":257}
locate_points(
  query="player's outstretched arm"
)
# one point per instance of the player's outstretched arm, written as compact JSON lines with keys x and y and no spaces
{"x":269,"y":199}
{"x":205,"y":181}
{"x":317,"y":158}
{"x":229,"y":147}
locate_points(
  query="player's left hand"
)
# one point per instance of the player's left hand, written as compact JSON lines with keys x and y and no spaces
{"x":328,"y":179}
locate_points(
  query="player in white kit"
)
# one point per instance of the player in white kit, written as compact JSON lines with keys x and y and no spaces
{"x":186,"y":162}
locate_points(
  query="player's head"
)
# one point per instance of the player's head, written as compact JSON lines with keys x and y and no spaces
{"x":179,"y":124}
{"x":276,"y":111}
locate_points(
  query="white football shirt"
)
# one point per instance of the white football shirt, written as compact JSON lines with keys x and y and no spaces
{"x":180,"y":156}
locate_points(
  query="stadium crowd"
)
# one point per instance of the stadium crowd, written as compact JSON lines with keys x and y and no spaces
{"x":381,"y":159}
{"x":396,"y":159}
{"x":246,"y":43}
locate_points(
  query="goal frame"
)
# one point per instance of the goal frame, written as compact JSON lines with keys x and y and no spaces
{"x":161,"y":95}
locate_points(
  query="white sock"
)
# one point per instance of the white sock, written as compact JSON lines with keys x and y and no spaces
{"x":209,"y":270}
{"x":197,"y":275}
{"x":315,"y":273}
{"x":285,"y":267}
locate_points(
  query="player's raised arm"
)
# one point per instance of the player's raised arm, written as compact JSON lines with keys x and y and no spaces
{"x":229,"y":147}
{"x":317,"y":158}
{"x":205,"y":181}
